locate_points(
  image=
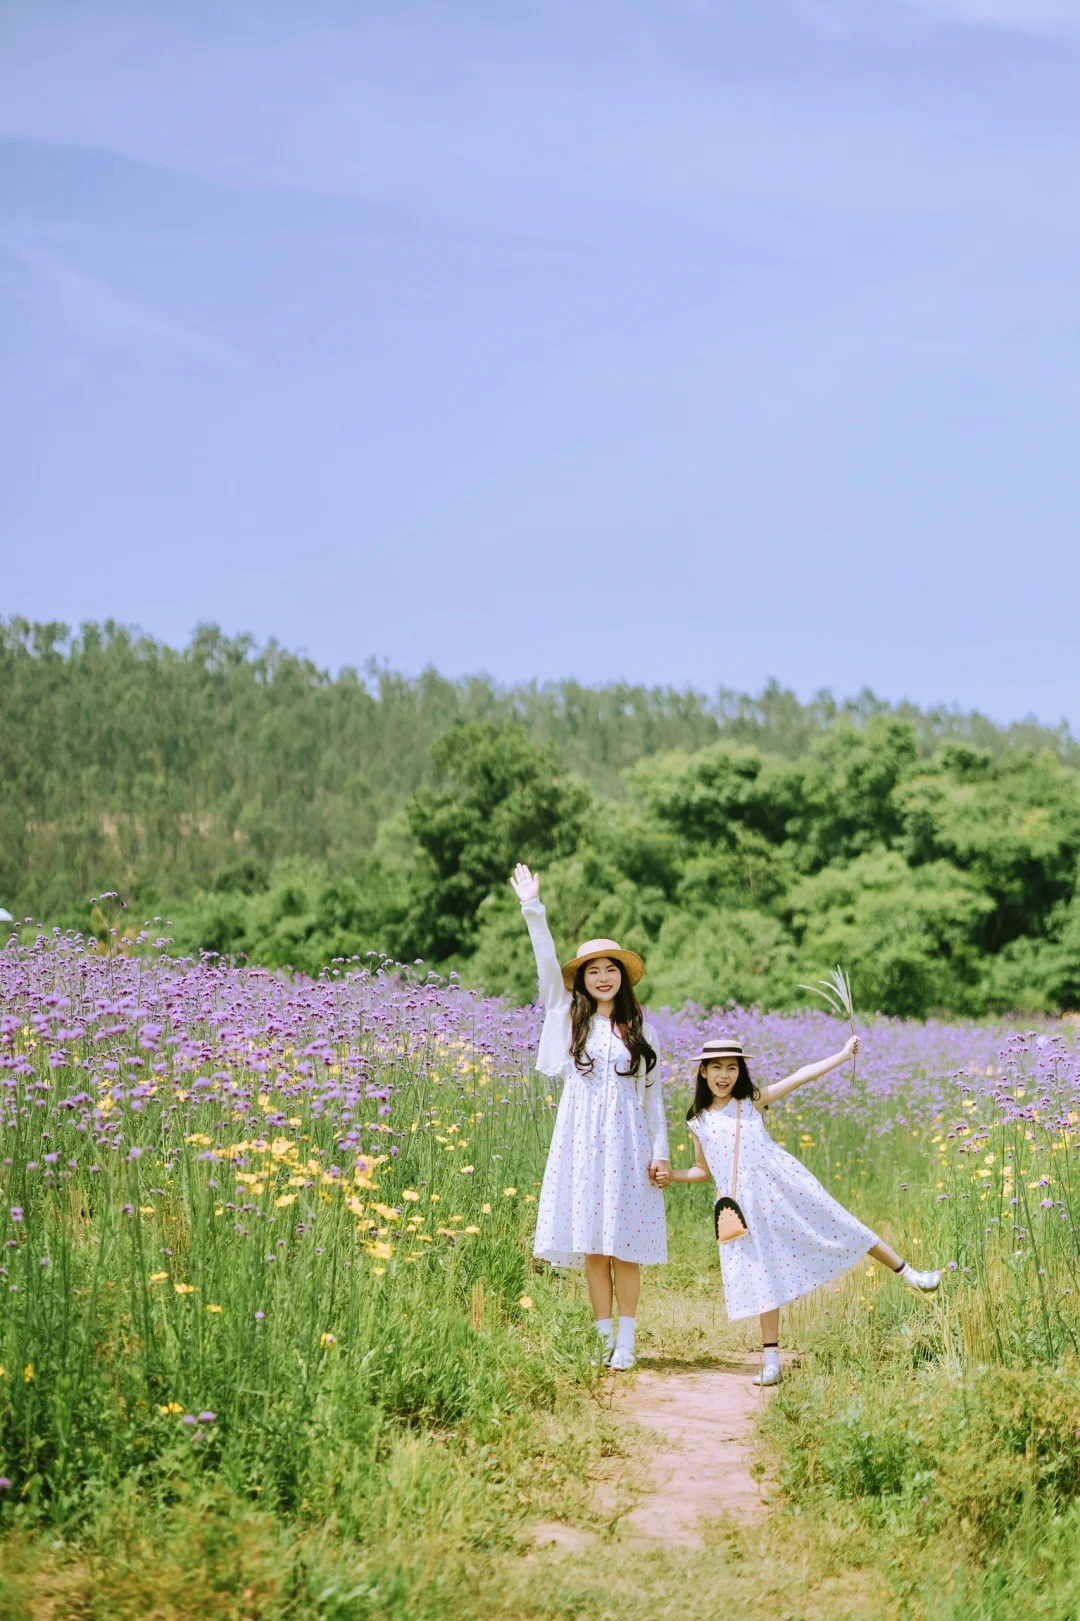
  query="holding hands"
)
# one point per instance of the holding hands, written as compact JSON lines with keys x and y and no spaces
{"x":525,"y":884}
{"x":659,"y":1172}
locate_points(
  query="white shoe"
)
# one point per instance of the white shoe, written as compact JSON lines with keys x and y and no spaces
{"x":604,"y":1359}
{"x":622,"y":1359}
{"x":769,"y":1374}
{"x":924,"y":1282}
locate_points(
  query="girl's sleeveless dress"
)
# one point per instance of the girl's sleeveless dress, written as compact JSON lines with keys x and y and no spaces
{"x":596,"y":1197}
{"x":798,"y":1236}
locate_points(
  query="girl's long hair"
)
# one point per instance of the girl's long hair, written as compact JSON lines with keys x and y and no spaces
{"x":703,"y":1097}
{"x":626,"y":1016}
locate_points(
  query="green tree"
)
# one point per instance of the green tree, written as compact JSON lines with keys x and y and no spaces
{"x":1012,"y":823}
{"x":848,"y":786}
{"x":499,"y":800}
{"x":906,"y":936}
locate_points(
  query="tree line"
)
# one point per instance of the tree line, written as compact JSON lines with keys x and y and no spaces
{"x":742,"y":844}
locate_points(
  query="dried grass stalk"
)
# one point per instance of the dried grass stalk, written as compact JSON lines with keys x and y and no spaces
{"x":836,"y":990}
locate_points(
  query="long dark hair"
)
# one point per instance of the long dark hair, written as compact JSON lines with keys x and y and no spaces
{"x":627,"y":1018}
{"x":704,"y":1099}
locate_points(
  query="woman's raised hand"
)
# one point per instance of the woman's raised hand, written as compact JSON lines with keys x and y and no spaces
{"x":525,"y":884}
{"x":851,"y":1047}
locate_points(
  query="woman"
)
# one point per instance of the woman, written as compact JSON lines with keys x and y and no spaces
{"x":600,"y":1205}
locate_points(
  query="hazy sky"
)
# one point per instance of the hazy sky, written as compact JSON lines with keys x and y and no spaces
{"x":680,"y":340}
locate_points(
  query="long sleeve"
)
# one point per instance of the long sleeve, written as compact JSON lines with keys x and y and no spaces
{"x":553,"y":1054}
{"x":553,"y":993}
{"x":655,"y":1113}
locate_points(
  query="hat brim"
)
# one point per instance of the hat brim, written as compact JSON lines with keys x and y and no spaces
{"x":705,"y":1058}
{"x":630,"y":960}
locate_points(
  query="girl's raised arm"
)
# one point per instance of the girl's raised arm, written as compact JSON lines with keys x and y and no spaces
{"x":526,"y":886}
{"x":809,"y":1072}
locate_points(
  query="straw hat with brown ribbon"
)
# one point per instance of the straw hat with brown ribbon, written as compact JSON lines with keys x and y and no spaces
{"x":721,"y":1047}
{"x":603,"y":948}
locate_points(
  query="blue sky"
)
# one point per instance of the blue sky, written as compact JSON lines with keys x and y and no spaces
{"x":678,"y":340}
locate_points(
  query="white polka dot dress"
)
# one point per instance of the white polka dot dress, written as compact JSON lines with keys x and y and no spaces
{"x":596,"y":1197}
{"x":798,"y":1237}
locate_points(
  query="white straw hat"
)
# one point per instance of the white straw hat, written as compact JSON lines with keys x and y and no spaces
{"x":721,"y":1047}
{"x":603,"y":948}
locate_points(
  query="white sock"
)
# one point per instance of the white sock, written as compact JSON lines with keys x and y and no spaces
{"x":627,"y":1328}
{"x":604,"y":1329}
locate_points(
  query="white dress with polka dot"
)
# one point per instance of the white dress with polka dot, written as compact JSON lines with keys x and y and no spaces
{"x":798,"y":1236}
{"x":596,"y":1197}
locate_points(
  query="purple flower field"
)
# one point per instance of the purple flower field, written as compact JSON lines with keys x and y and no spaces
{"x":218,"y":1181}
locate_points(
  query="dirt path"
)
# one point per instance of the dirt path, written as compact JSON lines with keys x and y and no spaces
{"x":703,"y":1419}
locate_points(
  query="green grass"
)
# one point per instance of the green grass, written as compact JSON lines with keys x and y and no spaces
{"x":401,"y":1394}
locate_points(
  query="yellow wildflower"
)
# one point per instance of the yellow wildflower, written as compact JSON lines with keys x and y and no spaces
{"x":378,"y":1271}
{"x":436,"y":1198}
{"x":214,"y":1309}
{"x":525,"y":1303}
{"x":327,"y":1339}
{"x":172,"y":1407}
{"x":285,"y":1199}
{"x":146,"y":1210}
{"x":472,"y":1229}
{"x":158,"y":1277}
{"x":3,"y":1373}
{"x":28,"y":1372}
{"x":381,"y":1252}
{"x":508,"y":1193}
{"x":184,"y":1288}
{"x":486,"y":1209}
{"x":410,"y":1196}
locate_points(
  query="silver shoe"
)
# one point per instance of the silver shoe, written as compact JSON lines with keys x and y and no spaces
{"x":768,"y":1376}
{"x":622,"y":1359}
{"x":924,"y":1282}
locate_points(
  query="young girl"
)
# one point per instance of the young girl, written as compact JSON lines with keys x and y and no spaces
{"x":600,"y":1204}
{"x":798,"y":1236}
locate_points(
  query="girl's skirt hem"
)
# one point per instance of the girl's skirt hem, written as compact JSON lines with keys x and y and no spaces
{"x":786,"y":1300}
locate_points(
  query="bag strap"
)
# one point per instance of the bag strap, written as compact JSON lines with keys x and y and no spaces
{"x":735,"y":1163}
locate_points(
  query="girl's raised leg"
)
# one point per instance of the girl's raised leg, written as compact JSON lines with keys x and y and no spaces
{"x":924,"y":1282}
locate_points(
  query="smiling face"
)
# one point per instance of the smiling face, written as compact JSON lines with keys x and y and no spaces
{"x":603,"y":976}
{"x":721,"y":1075}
